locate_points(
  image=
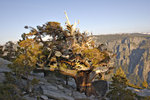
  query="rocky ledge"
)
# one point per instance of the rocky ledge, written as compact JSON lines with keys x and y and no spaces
{"x":51,"y":86}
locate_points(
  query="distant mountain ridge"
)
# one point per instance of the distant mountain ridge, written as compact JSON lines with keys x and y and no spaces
{"x":132,"y":54}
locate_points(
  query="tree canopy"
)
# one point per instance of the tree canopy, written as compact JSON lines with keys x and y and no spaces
{"x":65,"y":50}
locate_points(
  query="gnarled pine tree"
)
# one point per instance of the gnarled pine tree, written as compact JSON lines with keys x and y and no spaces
{"x":67,"y":51}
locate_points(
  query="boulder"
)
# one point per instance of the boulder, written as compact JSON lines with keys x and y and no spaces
{"x":56,"y":94}
{"x":4,"y":62}
{"x":41,"y":74}
{"x":4,"y":69}
{"x":3,"y":66}
{"x":72,"y":83}
{"x":2,"y":77}
{"x":53,"y":92}
{"x":101,"y":87}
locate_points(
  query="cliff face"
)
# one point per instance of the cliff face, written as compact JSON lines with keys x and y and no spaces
{"x":133,"y":54}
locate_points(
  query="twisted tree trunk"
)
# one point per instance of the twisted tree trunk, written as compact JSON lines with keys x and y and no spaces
{"x":83,"y":79}
{"x":84,"y":83}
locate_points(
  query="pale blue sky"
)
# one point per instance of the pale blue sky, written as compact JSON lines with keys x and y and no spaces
{"x":97,"y":16}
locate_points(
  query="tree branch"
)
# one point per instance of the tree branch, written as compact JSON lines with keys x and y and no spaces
{"x":65,"y":71}
{"x":61,"y":70}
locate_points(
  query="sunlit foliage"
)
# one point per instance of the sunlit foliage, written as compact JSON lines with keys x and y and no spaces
{"x":65,"y":50}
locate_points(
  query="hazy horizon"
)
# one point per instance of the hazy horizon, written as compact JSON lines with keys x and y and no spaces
{"x":98,"y":17}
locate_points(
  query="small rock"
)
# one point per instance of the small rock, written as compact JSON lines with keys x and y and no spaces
{"x":60,"y":87}
{"x":42,"y":83}
{"x":92,"y":97}
{"x":27,"y":97}
{"x":72,"y":83}
{"x":24,"y":92}
{"x":78,"y":95}
{"x":65,"y":56}
{"x":30,"y":77}
{"x":43,"y":97}
{"x":49,"y":87}
{"x":58,"y":53}
{"x":30,"y":89}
